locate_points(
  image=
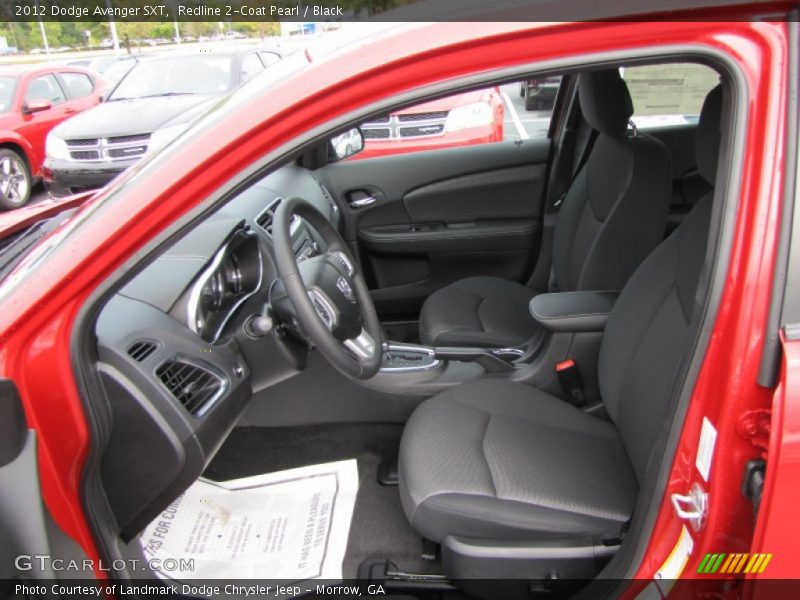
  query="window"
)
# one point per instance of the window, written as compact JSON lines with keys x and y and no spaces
{"x":176,"y":75}
{"x":7,"y":86}
{"x":118,"y":70}
{"x":514,"y":111}
{"x":251,"y":66}
{"x":269,"y":58}
{"x":45,"y":88}
{"x":670,"y":94}
{"x":78,"y":84}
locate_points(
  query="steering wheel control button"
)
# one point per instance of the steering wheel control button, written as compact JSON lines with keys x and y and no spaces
{"x":344,"y":262}
{"x":323,"y":308}
{"x":344,"y":286}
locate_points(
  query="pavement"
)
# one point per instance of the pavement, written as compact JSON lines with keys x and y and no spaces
{"x":37,"y":195}
{"x":521,"y":124}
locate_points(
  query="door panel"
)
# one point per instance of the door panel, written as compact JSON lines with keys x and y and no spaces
{"x":23,"y":528}
{"x":441,"y":215}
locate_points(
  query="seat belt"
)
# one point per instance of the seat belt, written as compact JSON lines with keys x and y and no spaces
{"x":587,"y":150}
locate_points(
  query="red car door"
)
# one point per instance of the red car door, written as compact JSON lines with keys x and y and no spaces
{"x":82,"y":91}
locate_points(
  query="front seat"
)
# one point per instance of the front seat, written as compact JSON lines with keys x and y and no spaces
{"x":613,"y":215}
{"x":501,"y":461}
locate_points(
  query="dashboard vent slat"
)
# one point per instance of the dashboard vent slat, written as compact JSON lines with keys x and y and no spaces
{"x":141,"y":350}
{"x":264,"y":220}
{"x":195,"y":387}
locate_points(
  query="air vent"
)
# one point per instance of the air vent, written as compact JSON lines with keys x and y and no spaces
{"x":193,"y":386}
{"x":334,"y":210}
{"x":264,"y":220}
{"x":141,"y":350}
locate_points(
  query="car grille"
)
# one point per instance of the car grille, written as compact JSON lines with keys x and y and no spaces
{"x":403,"y":126}
{"x":122,"y":147}
{"x":428,"y":116}
{"x":377,"y":133}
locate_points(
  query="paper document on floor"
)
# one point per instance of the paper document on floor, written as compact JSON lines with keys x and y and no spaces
{"x":291,"y":525}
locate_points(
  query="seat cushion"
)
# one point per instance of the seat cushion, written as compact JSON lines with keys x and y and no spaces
{"x":500,"y":460}
{"x":478,"y":311}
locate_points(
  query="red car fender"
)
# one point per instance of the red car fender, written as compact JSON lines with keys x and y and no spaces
{"x":14,"y":141}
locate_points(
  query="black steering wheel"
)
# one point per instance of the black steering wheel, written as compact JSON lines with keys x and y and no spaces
{"x":328,"y":294}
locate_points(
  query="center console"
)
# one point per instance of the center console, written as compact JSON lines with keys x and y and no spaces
{"x":571,"y":326}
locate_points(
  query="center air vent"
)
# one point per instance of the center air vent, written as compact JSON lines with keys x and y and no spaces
{"x":264,"y":220}
{"x":141,"y":350}
{"x":195,"y":387}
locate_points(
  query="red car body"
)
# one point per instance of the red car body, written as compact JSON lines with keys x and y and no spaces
{"x":26,"y":132}
{"x":45,"y":298}
{"x":425,"y":126}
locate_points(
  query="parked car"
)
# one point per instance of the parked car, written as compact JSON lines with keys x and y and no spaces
{"x":214,"y":316}
{"x":112,"y":68}
{"x":539,"y":94}
{"x":459,"y":120}
{"x":32,"y":102}
{"x":151,"y":104}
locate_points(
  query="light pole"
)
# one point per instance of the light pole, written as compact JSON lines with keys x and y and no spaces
{"x":44,"y":35}
{"x":113,"y":27}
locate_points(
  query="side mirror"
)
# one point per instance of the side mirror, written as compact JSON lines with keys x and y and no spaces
{"x":346,"y":144}
{"x":35,"y":106}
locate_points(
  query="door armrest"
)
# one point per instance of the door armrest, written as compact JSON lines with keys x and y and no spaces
{"x":573,"y":311}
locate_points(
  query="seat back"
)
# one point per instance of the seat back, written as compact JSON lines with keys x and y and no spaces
{"x":615,"y":211}
{"x":653,"y":322}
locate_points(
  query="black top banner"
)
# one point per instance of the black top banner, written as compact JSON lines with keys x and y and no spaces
{"x":386,"y":10}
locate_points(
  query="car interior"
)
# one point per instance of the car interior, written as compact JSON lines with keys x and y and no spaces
{"x":496,"y":332}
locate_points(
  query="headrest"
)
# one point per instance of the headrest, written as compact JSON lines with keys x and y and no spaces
{"x":605,"y":101}
{"x":706,"y":143}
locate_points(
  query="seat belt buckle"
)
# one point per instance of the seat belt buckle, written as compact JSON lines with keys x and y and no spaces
{"x":570,"y":378}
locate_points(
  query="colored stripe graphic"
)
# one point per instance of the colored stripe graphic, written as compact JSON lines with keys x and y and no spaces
{"x":720,"y":562}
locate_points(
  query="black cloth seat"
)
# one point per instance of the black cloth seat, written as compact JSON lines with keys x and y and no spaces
{"x":501,"y":461}
{"x":506,"y":461}
{"x":613,"y":216}
{"x":478,"y":311}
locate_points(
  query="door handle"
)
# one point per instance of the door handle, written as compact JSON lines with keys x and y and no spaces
{"x":362,"y":202}
{"x":70,"y":111}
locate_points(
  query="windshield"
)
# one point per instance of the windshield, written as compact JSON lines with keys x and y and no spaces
{"x":180,"y":75}
{"x":115,"y":72}
{"x":7,"y":86}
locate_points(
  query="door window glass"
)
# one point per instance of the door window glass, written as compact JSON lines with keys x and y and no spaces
{"x":251,"y":66}
{"x":78,"y":84}
{"x":506,"y":113}
{"x":45,"y":88}
{"x":669,"y":94}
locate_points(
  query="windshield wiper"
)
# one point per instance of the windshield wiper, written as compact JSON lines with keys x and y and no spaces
{"x":13,"y":248}
{"x":161,"y":95}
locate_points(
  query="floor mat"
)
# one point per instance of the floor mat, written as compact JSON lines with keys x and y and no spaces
{"x":379,"y":528}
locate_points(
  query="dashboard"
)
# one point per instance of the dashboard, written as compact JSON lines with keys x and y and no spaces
{"x":176,"y":362}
